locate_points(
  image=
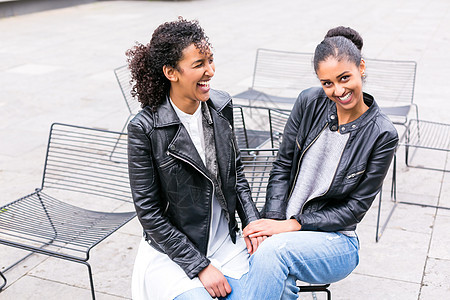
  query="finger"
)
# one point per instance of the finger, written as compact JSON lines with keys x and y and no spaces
{"x":259,"y":234}
{"x":248,"y":243}
{"x":260,"y":240}
{"x":254,"y":244}
{"x":251,"y":230}
{"x":211,"y":292}
{"x":221,"y":289}
{"x":227,"y":287}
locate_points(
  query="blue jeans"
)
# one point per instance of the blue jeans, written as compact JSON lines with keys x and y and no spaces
{"x":237,"y":290}
{"x":310,"y":256}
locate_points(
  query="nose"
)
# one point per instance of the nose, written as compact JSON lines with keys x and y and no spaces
{"x":339,"y":90}
{"x":210,"y":69}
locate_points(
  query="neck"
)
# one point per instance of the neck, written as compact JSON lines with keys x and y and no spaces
{"x":347,"y":116}
{"x":184,"y":104}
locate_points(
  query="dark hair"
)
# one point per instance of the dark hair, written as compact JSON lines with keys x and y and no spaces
{"x":166,"y":46}
{"x":340,"y":43}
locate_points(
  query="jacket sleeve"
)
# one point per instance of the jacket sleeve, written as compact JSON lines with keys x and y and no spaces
{"x":350,"y":211}
{"x":146,"y":192}
{"x":278,"y":187}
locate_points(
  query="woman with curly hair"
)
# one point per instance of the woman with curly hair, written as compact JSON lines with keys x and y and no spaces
{"x":185,"y":172}
{"x":336,"y":150}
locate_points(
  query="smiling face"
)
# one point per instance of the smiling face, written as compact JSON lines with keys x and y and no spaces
{"x":190,"y":80}
{"x":342,"y":83}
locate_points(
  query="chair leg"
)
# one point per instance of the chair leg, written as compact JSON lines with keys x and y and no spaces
{"x":91,"y":278}
{"x":4,"y":281}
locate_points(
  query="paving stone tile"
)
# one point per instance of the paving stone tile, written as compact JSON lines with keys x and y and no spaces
{"x":440,"y":243}
{"x":361,"y":286}
{"x":387,"y":258}
{"x":436,"y":280}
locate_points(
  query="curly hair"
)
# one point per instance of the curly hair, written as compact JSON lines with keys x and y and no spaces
{"x":146,"y":62}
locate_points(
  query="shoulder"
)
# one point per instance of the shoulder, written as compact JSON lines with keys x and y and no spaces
{"x":311,"y":95}
{"x":313,"y":98}
{"x":144,"y":121}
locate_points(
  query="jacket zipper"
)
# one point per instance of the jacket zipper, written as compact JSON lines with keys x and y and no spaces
{"x":355,"y":174}
{"x":212,"y":184}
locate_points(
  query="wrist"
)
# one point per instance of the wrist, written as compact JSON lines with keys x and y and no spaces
{"x":294,"y":225}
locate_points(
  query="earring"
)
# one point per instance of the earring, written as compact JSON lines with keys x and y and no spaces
{"x":363,"y":75}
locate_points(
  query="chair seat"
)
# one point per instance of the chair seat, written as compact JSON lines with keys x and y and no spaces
{"x":428,"y":135}
{"x":39,"y":221}
{"x":400,"y":111}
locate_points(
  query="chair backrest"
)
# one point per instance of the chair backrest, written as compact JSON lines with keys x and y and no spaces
{"x":253,"y":124}
{"x":239,"y":127}
{"x":257,"y":167}
{"x":277,"y":121}
{"x":87,"y":160}
{"x":123,"y":77}
{"x":391,"y":82}
{"x":282,"y":70}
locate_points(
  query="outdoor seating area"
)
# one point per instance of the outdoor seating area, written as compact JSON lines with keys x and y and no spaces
{"x":66,"y":205}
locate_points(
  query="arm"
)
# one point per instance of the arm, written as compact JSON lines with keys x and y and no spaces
{"x":146,"y":192}
{"x":345,"y":212}
{"x":352,"y":209}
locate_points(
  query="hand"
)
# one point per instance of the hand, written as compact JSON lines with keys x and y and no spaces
{"x":268,"y":227}
{"x":214,"y":282}
{"x":253,"y":243}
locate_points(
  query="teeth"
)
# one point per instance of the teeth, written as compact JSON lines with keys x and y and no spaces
{"x":205,"y":83}
{"x":346,"y":97}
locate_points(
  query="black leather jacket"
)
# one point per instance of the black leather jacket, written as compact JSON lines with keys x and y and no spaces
{"x":361,"y":169}
{"x":172,"y":193}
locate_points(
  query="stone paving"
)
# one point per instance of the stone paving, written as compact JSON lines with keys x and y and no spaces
{"x":57,"y":66}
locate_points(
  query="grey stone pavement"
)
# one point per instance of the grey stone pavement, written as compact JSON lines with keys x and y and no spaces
{"x":57,"y":66}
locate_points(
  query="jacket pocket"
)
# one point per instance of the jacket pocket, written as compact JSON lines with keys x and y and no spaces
{"x":354,"y":174}
{"x":167,"y":163}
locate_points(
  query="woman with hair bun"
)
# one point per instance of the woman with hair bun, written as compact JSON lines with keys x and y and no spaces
{"x":185,"y":172}
{"x":336,"y":150}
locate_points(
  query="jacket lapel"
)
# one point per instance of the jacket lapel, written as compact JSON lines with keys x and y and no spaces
{"x":181,"y":145}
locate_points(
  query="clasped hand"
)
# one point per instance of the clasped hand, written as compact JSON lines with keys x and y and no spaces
{"x":260,"y":229}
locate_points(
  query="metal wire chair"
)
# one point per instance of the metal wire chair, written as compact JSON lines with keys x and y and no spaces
{"x":78,"y":163}
{"x":257,"y":172}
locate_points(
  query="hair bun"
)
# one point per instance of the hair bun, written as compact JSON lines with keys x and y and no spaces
{"x":348,"y":33}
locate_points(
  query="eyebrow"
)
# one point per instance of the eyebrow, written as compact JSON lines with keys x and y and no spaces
{"x":201,"y":60}
{"x":340,"y":75}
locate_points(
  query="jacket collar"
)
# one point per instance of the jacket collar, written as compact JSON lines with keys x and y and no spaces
{"x":356,"y":124}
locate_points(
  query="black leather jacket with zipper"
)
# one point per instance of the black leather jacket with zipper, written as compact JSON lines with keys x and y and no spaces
{"x":172,"y":193}
{"x":360,"y":172}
